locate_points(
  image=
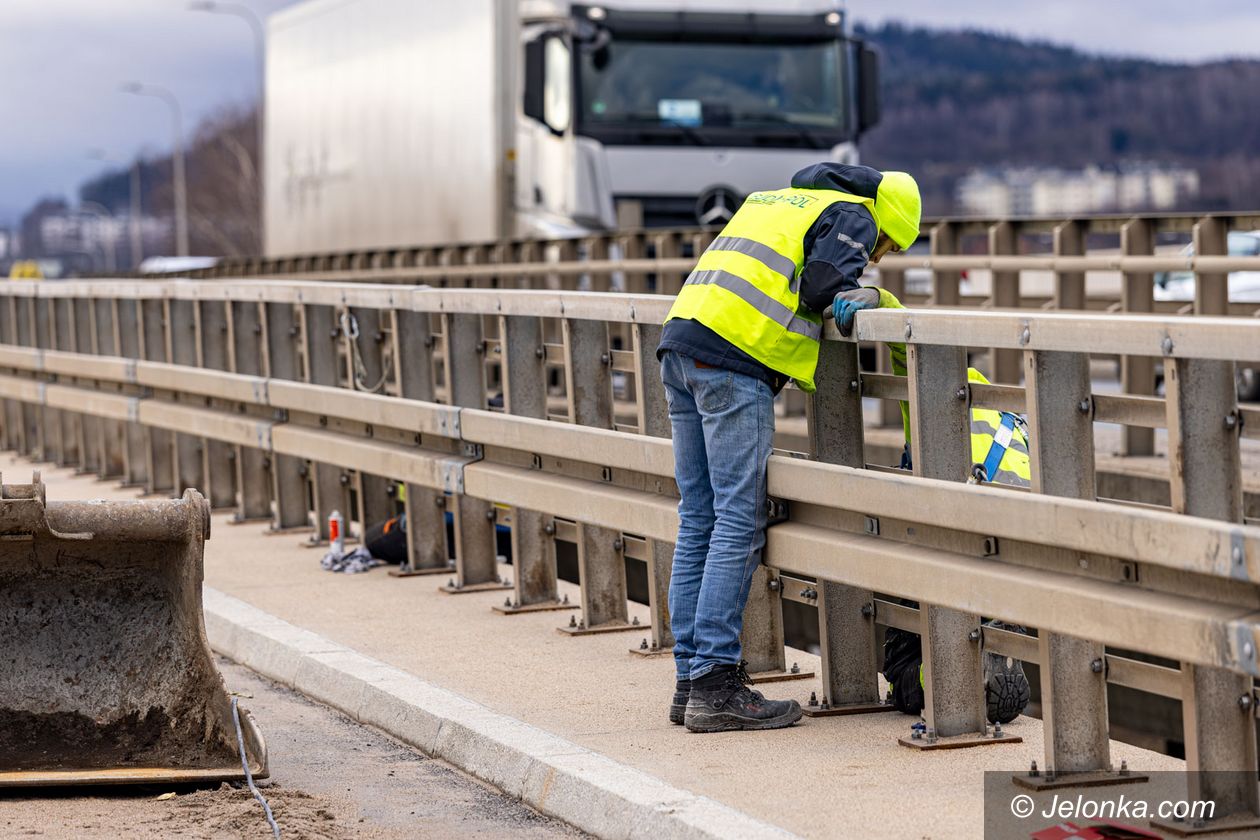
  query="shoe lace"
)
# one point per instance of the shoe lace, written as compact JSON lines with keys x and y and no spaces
{"x":744,"y":681}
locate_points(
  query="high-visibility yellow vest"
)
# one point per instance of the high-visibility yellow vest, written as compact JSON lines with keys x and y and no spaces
{"x":746,"y":286}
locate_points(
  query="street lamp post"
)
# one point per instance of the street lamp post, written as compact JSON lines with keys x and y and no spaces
{"x":137,"y":243}
{"x":181,"y":194}
{"x":260,"y":56}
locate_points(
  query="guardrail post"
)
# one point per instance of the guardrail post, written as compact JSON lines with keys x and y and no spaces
{"x":668,"y":247}
{"x":44,"y":436}
{"x":127,"y":321}
{"x":32,"y":416}
{"x":253,"y":479}
{"x":654,"y":421}
{"x":1211,"y":289}
{"x":940,"y":421}
{"x":161,"y":472}
{"x":1061,"y":450}
{"x":219,"y":458}
{"x":288,"y":486}
{"x":1137,"y":373}
{"x":476,"y":562}
{"x":846,"y":622}
{"x":181,"y":326}
{"x":1069,"y":286}
{"x":427,"y":550}
{"x":12,"y":408}
{"x":319,"y":341}
{"x":524,"y":368}
{"x":944,"y":283}
{"x":369,"y":375}
{"x":1004,"y":294}
{"x":90,"y":455}
{"x":1206,"y":480}
{"x":588,"y":389}
{"x":54,"y":328}
{"x":105,"y":343}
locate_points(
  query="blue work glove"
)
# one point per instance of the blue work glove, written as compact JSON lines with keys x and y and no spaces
{"x":847,"y":304}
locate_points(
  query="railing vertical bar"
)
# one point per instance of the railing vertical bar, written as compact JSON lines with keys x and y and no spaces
{"x":1137,"y":373}
{"x":253,"y":464}
{"x":475,"y":549}
{"x":282,"y":361}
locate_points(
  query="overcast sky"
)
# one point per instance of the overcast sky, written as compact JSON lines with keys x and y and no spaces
{"x":62,"y":61}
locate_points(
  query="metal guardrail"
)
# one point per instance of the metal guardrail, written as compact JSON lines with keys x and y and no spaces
{"x":247,"y":390}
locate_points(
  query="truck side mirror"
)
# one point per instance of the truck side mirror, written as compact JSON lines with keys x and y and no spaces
{"x":535,"y":61}
{"x":867,"y":86}
{"x":548,"y":82}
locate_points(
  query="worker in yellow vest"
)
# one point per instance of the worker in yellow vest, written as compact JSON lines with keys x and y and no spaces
{"x":748,"y":319}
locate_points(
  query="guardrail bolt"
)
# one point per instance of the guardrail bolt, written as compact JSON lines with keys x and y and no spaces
{"x":323,"y":421}
{"x":344,"y":479}
{"x":961,"y":393}
{"x":774,"y":585}
{"x":618,"y":545}
{"x":549,"y":529}
{"x":539,"y":352}
{"x":490,"y":514}
{"x":605,"y":359}
{"x":796,"y":669}
{"x":1049,"y":775}
{"x":853,"y":385}
{"x":582,"y":624}
{"x":573,"y":621}
{"x":1124,"y":768}
{"x":635,"y":622}
{"x":450,"y":584}
{"x":1166,"y":345}
{"x":1083,"y":406}
{"x":1097,"y":666}
{"x":1231,"y":420}
{"x":507,"y":602}
{"x":1237,"y":555}
{"x":1246,"y":702}
{"x":931,"y":735}
{"x":643,"y":645}
{"x":1033,"y":772}
{"x":1025,"y":336}
{"x":440,"y":501}
{"x":997,"y":730}
{"x":369,"y":431}
{"x":974,"y":636}
{"x":565,"y":600}
{"x":868,"y":610}
{"x":909,"y":331}
{"x":813,"y":698}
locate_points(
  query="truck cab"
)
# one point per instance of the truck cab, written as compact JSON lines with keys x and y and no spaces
{"x":642,"y":113}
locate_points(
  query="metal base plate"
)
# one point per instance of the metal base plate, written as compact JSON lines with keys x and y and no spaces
{"x":247,"y":520}
{"x":758,"y":677}
{"x":545,"y":606}
{"x":650,"y":651}
{"x":1237,"y":822}
{"x":404,"y":573}
{"x":488,"y":586}
{"x":847,"y":709}
{"x":1071,"y":780}
{"x":958,"y":742}
{"x":609,"y":627}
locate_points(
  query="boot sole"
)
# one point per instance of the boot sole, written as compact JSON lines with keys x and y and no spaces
{"x":1007,"y":694}
{"x":677,"y":714}
{"x":725,"y":723}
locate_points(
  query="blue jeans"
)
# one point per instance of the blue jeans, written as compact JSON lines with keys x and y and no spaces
{"x":723,"y":426}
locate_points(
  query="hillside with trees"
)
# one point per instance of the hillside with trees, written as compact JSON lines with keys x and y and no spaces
{"x":957,"y":100}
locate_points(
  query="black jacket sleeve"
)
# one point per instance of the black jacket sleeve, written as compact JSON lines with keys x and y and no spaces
{"x":837,"y":248}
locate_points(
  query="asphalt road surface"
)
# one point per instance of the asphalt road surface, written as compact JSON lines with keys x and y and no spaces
{"x":331,"y":779}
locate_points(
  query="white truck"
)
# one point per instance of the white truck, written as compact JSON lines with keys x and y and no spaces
{"x":395,"y":123}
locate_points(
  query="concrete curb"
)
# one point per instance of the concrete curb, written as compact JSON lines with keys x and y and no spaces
{"x":555,"y":776}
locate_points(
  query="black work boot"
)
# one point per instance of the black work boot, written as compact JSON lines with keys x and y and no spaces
{"x":678,"y":706}
{"x":1006,"y":689}
{"x":720,"y":702}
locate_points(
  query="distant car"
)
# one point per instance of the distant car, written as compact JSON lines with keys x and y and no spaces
{"x":173,"y":265}
{"x":1244,"y":286}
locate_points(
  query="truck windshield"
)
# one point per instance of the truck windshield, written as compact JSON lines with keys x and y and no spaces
{"x":693,"y":89}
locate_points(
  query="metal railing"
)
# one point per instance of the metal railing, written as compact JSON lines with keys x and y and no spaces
{"x":253,"y":392}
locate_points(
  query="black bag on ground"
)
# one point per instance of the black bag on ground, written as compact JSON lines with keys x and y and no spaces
{"x":388,"y":540}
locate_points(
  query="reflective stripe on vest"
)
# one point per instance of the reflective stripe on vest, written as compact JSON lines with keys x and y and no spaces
{"x":760,"y":301}
{"x":771,"y":258}
{"x":1001,"y":440}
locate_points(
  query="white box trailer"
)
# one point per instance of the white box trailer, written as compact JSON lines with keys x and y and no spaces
{"x":397,"y":123}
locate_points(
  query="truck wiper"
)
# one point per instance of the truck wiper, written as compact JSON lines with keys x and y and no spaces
{"x":804,"y":133}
